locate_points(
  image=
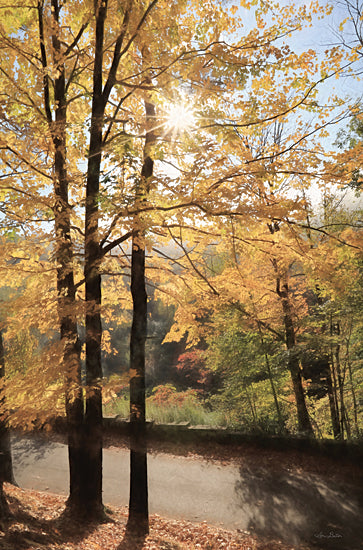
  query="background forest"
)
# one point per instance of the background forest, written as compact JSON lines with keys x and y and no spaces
{"x":202,"y":142}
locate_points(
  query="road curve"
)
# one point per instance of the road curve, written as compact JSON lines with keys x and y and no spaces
{"x":285,"y":505}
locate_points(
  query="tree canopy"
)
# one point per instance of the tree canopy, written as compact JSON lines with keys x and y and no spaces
{"x":179,"y":151}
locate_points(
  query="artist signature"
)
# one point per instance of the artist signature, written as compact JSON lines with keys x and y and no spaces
{"x":330,"y":535}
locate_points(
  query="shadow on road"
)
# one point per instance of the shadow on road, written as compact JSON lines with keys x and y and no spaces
{"x":300,"y":508}
{"x":26,"y":449}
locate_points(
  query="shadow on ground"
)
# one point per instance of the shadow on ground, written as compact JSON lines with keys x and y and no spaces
{"x":129,"y":542}
{"x":301,"y":508}
{"x":22,"y":530}
{"x":26,"y":449}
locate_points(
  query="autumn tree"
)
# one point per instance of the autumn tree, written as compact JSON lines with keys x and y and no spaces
{"x":77,"y":152}
{"x":252,"y":373}
{"x":138,"y":520}
{"x":335,"y":279}
{"x":266,"y":190}
{"x":55,"y":110}
{"x":294,"y":361}
{"x":152,"y":199}
{"x":44,"y":144}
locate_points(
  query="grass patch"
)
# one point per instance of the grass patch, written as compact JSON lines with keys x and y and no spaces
{"x":186,"y":411}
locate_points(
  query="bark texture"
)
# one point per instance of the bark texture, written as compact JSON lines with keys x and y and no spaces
{"x":71,"y":364}
{"x":304,"y":423}
{"x":138,"y":520}
{"x":93,"y":414}
{"x":6,"y":464}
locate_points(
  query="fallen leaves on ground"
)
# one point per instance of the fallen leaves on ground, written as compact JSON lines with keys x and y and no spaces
{"x":37,"y":522}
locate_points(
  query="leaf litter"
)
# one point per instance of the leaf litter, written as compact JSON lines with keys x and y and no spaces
{"x":37,"y":522}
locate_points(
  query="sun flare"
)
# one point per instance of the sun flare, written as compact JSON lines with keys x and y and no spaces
{"x":180,"y":117}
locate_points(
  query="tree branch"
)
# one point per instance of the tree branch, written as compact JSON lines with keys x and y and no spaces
{"x":43,"y":54}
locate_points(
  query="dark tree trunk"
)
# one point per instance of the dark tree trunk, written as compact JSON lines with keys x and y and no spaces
{"x":293,"y":364}
{"x":6,"y":464}
{"x":355,"y":404}
{"x":338,"y":384}
{"x":334,"y":412}
{"x":71,"y":363}
{"x":304,"y":423}
{"x":138,"y":504}
{"x":344,"y":420}
{"x":138,"y":521}
{"x":65,"y":277}
{"x":4,"y":508}
{"x":74,"y":414}
{"x":93,"y":416}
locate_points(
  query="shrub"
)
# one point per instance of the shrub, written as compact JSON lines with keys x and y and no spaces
{"x":166,"y":395}
{"x":166,"y":405}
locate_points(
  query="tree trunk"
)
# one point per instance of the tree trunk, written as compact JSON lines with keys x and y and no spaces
{"x":6,"y":464}
{"x":74,"y":414}
{"x":355,"y":405}
{"x":93,"y":416}
{"x":252,"y":408}
{"x":304,"y":423}
{"x":334,"y":412}
{"x":338,"y":379}
{"x":138,"y":521}
{"x":344,"y":420}
{"x":4,"y":507}
{"x":71,"y":363}
{"x":293,"y":364}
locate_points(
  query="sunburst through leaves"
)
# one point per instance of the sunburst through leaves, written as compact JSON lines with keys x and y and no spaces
{"x":179,"y":118}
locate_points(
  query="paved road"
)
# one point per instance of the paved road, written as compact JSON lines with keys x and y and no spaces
{"x":286,"y":505}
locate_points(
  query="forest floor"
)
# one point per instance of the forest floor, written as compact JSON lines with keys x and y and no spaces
{"x":37,"y":522}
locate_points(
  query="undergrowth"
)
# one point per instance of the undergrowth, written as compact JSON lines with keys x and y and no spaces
{"x":166,"y":405}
